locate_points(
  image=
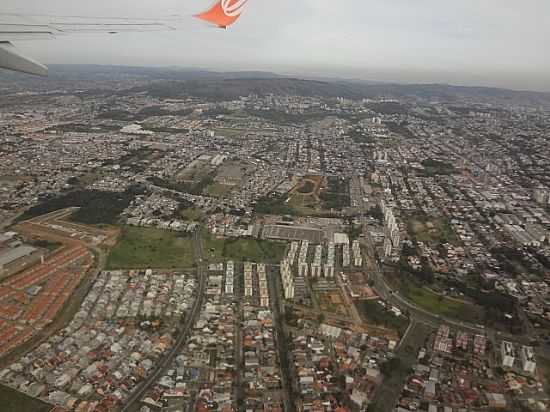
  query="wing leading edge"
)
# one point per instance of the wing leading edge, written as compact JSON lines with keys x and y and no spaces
{"x":12,"y":59}
{"x":17,"y":27}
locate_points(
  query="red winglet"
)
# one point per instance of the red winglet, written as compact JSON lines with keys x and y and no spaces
{"x":224,"y":13}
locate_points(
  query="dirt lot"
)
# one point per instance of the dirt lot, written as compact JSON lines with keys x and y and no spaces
{"x":332,"y":302}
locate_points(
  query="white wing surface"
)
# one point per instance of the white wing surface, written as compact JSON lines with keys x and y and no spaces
{"x":15,"y":27}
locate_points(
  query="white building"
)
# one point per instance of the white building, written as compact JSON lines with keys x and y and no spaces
{"x":316,"y":265}
{"x":345,"y":255}
{"x":508,"y":354}
{"x":528,"y":360}
{"x":288,"y":279}
{"x":357,"y":257}
{"x":303,"y":270}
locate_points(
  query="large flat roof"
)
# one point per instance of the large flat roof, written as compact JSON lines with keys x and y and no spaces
{"x":293,"y":233}
{"x":12,"y":255}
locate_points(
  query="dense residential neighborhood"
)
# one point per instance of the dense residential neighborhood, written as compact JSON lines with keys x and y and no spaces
{"x":273,"y":251}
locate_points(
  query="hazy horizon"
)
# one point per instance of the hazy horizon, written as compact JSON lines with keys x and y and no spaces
{"x":468,"y":43}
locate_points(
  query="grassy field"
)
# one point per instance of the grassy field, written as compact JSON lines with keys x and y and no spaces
{"x":195,"y":172}
{"x":192,"y":214}
{"x":46,"y":244}
{"x":212,"y":247}
{"x":12,"y":400}
{"x":432,"y":230}
{"x":218,"y":190}
{"x":305,"y":204}
{"x":336,"y":194}
{"x":231,"y":133}
{"x":243,"y":250}
{"x":433,"y":302}
{"x":307,"y":187}
{"x":441,"y":305}
{"x":151,"y":248}
{"x":316,"y":196}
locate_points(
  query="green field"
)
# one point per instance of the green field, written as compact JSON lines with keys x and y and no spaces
{"x":243,"y":250}
{"x":217,"y":190}
{"x":432,"y":230}
{"x":192,"y":214}
{"x":441,"y":305}
{"x":151,"y":248}
{"x":231,"y":133}
{"x":274,"y":206}
{"x":315,"y":198}
{"x":435,"y":167}
{"x":46,"y":244}
{"x":307,"y":187}
{"x":12,"y":400}
{"x":305,"y":205}
{"x":336,"y":194}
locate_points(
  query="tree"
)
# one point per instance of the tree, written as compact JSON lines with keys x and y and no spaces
{"x":391,"y":366}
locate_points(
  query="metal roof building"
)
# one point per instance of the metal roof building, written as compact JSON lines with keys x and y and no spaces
{"x":11,"y":255}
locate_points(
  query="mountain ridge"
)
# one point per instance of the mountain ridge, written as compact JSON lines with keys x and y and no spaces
{"x":176,"y":82}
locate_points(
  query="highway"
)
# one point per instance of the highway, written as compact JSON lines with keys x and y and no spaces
{"x":132,"y":403}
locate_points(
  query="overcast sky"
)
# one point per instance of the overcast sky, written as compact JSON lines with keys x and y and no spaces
{"x":472,"y":42}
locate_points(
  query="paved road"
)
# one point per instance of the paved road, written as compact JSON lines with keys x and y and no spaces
{"x":387,"y":395}
{"x":238,"y":390}
{"x":394,"y":298}
{"x":281,"y":343}
{"x":132,"y":403}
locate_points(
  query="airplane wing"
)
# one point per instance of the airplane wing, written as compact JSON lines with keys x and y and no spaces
{"x":15,"y":27}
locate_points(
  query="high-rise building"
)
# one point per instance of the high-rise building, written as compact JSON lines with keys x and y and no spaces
{"x":357,"y":256}
{"x":508,"y":354}
{"x":528,"y":360}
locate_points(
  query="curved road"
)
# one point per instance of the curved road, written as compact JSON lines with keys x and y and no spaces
{"x":393,"y":297}
{"x":424,"y":316}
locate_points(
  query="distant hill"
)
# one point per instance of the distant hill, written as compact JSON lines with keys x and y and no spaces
{"x":92,"y":72}
{"x":444,"y":92}
{"x":235,"y":87}
{"x":177,"y":82}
